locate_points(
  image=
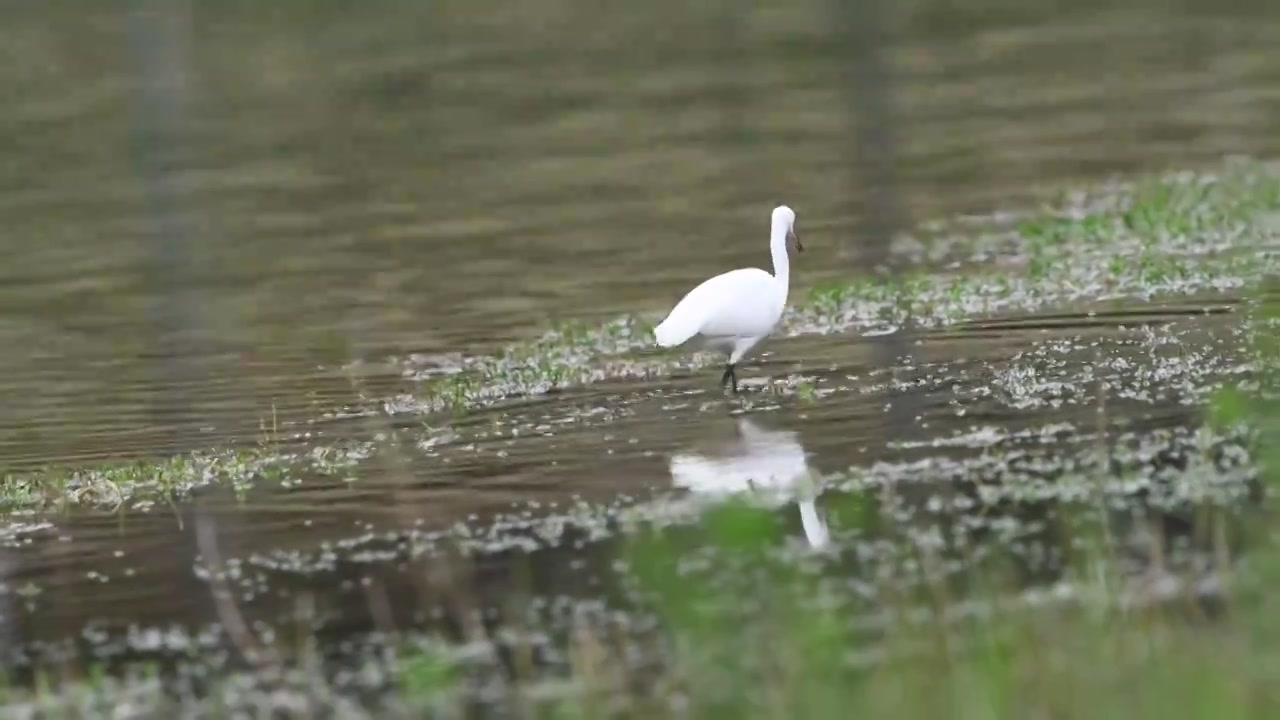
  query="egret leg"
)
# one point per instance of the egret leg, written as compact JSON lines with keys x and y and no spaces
{"x":730,"y":376}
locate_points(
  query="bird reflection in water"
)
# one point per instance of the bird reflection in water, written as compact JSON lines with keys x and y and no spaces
{"x":769,"y":463}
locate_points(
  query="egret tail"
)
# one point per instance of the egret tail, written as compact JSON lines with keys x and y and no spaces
{"x":676,"y":329}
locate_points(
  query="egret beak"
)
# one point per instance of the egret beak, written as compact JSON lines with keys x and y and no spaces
{"x":795,"y":240}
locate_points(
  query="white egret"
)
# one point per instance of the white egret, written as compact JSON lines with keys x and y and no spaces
{"x":733,"y":311}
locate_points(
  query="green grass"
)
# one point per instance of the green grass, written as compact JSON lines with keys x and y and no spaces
{"x":762,"y":648}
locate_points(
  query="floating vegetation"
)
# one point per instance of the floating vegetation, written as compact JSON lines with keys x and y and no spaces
{"x":1182,"y":234}
{"x":139,"y":485}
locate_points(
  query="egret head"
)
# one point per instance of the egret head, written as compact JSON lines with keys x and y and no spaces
{"x":784,"y":220}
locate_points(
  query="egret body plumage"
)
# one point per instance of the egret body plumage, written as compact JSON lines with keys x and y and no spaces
{"x":734,"y":311}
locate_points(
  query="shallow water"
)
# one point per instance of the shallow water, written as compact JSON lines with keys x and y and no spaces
{"x":336,"y":196}
{"x":329,"y":184}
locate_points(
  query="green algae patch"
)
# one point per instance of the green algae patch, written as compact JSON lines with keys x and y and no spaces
{"x":142,"y":484}
{"x":1177,"y":235}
